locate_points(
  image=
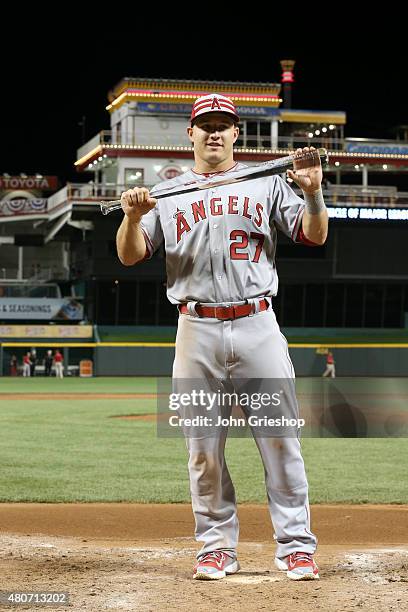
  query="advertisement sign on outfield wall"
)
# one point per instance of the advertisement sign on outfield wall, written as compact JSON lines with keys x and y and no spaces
{"x":41,"y":308}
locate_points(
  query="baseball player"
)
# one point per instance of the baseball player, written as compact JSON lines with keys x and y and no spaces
{"x":33,"y":360}
{"x":330,"y":367}
{"x":48,"y":362}
{"x":27,"y":364}
{"x":221,"y":274}
{"x":58,"y":363}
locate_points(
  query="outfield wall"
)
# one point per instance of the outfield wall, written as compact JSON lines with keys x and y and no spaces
{"x":134,"y":361}
{"x":149,"y":350}
{"x":156,"y":359}
{"x":350,"y":361}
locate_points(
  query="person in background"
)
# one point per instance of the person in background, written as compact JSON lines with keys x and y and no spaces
{"x":13,"y":365}
{"x":330,"y":368}
{"x":48,"y":362}
{"x":58,"y":361}
{"x":27,"y":364}
{"x":33,"y":361}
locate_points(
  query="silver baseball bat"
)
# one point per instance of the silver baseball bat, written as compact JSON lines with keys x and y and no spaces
{"x":276,"y":166}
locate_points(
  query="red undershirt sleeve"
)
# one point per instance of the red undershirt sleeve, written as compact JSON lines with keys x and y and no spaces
{"x":301,"y":238}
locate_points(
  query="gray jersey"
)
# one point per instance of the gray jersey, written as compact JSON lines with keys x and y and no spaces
{"x":220,"y":243}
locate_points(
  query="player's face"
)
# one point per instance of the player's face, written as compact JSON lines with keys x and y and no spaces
{"x":213,"y":136}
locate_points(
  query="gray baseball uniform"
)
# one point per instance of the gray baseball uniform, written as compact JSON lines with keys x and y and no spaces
{"x":220,"y":249}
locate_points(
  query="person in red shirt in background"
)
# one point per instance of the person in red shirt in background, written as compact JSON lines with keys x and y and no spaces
{"x":27,"y":364}
{"x":13,"y":365}
{"x":59,"y":368}
{"x":330,"y":368}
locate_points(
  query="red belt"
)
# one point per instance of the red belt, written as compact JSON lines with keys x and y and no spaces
{"x":225,"y":312}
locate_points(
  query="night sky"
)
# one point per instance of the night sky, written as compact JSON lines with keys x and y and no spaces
{"x":67,"y":70}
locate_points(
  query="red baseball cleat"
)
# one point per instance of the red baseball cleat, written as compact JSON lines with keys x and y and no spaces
{"x":215,"y":565}
{"x":298,"y":566}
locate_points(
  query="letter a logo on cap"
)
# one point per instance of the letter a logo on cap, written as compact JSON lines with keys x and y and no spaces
{"x":215,"y":104}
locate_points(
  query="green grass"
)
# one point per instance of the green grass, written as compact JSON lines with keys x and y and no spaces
{"x":106,"y":384}
{"x":65,"y":450}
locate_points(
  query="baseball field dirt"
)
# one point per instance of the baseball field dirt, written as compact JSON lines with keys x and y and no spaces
{"x":140,"y":557}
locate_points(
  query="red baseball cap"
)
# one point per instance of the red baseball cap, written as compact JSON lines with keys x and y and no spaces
{"x":213,"y":103}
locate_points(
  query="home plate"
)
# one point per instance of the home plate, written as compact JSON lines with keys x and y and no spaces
{"x":252,"y":579}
